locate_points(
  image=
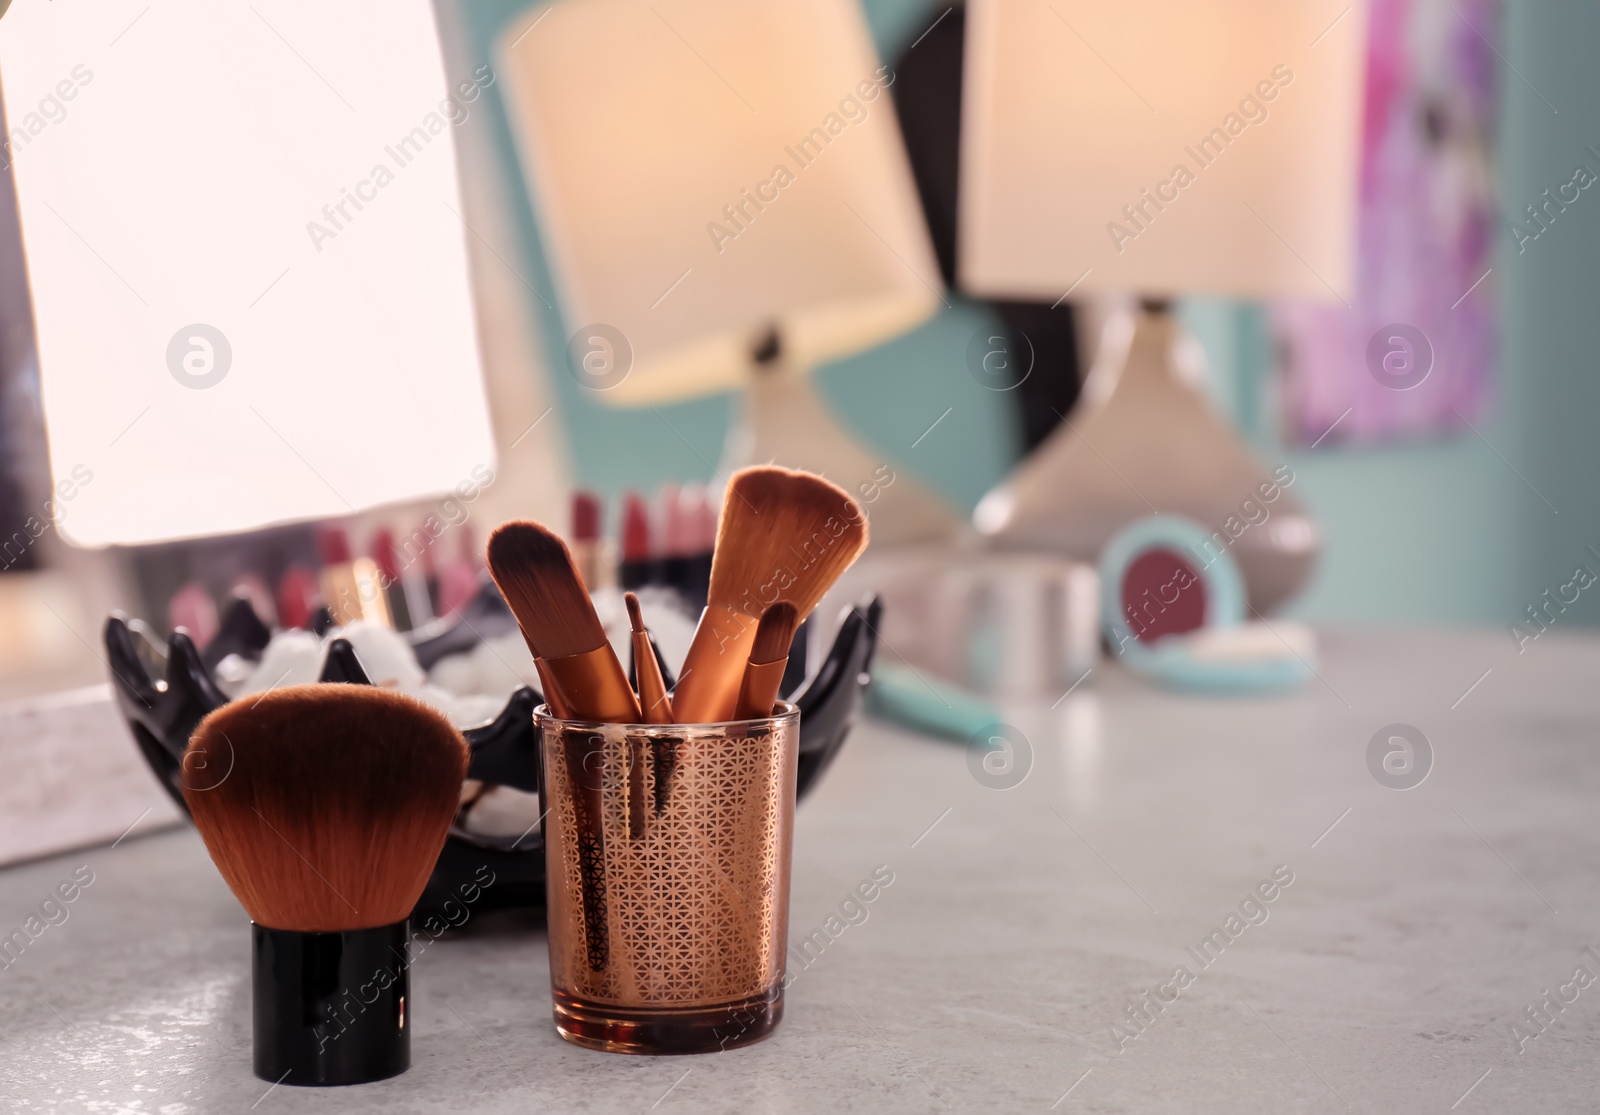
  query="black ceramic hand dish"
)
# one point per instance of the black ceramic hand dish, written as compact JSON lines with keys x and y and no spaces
{"x":163,"y":712}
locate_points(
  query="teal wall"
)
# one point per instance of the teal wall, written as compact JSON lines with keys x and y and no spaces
{"x":1552,"y":355}
{"x":1459,"y":530}
{"x":1441,"y":531}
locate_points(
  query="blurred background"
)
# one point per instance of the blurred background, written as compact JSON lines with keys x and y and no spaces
{"x":1451,"y":148}
{"x":1218,"y":378}
{"x":1422,"y":525}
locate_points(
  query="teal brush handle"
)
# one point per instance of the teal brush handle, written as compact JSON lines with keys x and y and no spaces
{"x":914,"y":700}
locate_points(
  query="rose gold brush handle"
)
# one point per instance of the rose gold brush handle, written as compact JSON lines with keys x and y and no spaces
{"x":551,"y":696}
{"x":758,"y":692}
{"x":656,"y":708}
{"x":655,"y":705}
{"x":592,"y":686}
{"x":708,"y":684}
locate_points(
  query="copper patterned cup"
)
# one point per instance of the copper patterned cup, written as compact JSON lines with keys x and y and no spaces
{"x":668,"y":851}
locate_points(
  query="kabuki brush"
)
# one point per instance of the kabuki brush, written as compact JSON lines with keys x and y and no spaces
{"x":325,"y":807}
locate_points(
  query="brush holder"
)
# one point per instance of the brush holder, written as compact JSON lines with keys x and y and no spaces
{"x":164,"y":691}
{"x":668,"y":851}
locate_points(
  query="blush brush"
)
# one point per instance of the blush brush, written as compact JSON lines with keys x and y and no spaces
{"x":784,"y":536}
{"x":325,"y":808}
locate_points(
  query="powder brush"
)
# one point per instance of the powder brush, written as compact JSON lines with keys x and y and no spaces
{"x":325,"y":808}
{"x":763,"y":674}
{"x":784,"y":536}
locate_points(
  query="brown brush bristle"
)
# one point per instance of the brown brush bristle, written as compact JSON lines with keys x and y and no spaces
{"x":536,"y":575}
{"x":775,"y":633}
{"x":635,"y":616}
{"x":325,"y":806}
{"x":784,"y":535}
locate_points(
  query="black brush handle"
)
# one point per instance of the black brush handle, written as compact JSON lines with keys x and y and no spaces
{"x":331,"y":1008}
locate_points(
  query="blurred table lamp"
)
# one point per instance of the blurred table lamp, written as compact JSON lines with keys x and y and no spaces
{"x":1157,"y":149}
{"x":249,"y":281}
{"x":726,"y":204}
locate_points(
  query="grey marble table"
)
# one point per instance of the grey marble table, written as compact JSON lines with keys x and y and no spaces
{"x":1024,"y":929}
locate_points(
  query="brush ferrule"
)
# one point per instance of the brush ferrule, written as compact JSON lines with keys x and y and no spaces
{"x":591,"y":686}
{"x":551,"y":696}
{"x":708,"y":687}
{"x":330,"y":1008}
{"x":655,"y":706}
{"x":758,"y":692}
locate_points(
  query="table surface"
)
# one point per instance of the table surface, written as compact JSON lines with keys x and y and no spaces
{"x":1020,"y":926}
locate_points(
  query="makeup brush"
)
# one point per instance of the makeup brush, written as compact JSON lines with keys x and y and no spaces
{"x":654,"y":703}
{"x":763,"y":675}
{"x":325,"y":808}
{"x":536,"y":575}
{"x":655,"y":707}
{"x":784,"y":535}
{"x":582,"y":680}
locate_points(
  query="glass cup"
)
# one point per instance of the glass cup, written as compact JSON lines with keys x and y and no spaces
{"x":668,"y":848}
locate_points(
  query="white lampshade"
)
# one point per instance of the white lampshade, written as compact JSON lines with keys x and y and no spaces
{"x":249,"y":278}
{"x":1227,"y":128}
{"x":707,"y":171}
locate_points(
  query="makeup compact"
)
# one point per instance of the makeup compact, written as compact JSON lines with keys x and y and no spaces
{"x":1173,"y":601}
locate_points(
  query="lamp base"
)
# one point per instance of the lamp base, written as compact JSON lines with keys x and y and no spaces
{"x":1143,"y":439}
{"x":783,"y":421}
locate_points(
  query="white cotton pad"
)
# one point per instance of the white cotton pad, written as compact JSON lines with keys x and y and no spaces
{"x":232,"y":674}
{"x":384,"y":653}
{"x":1253,"y":642}
{"x":469,"y":711}
{"x":476,"y":709}
{"x":503,"y":811}
{"x":501,"y":665}
{"x":291,"y":658}
{"x":454,"y":673}
{"x":441,"y":699}
{"x":1248,"y":658}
